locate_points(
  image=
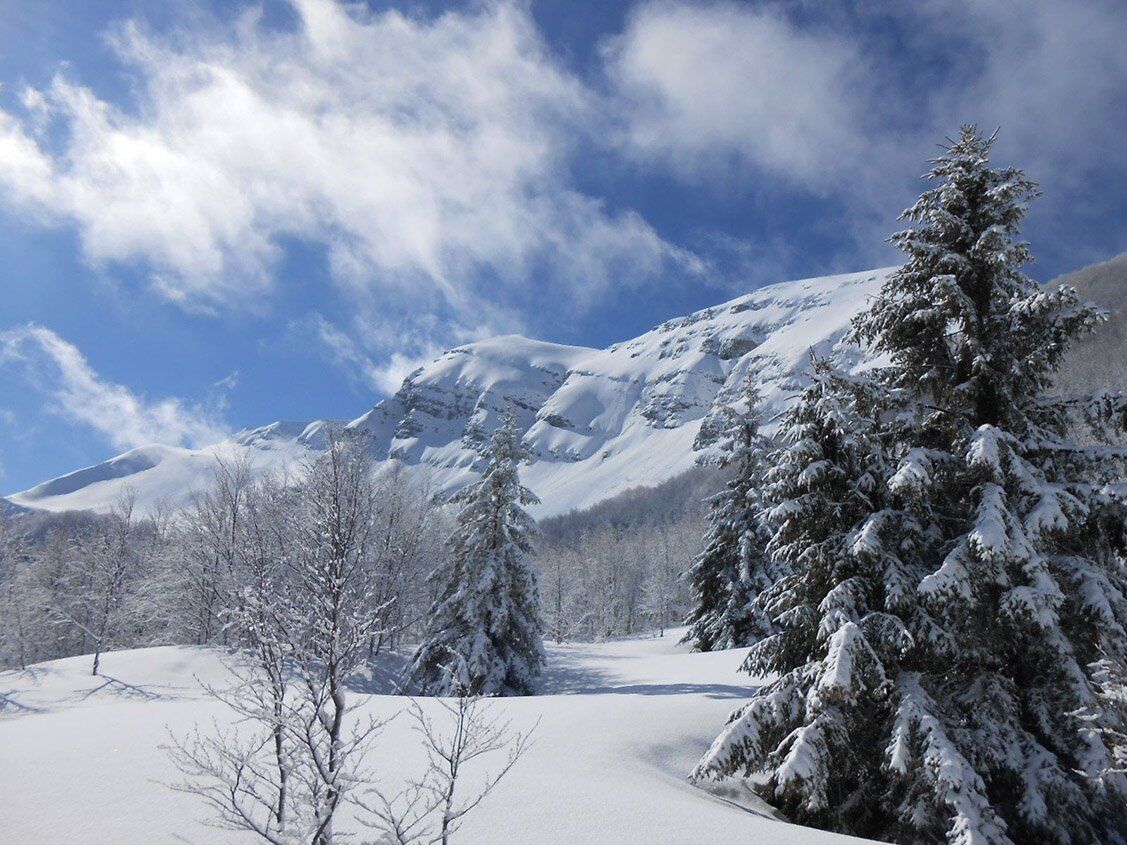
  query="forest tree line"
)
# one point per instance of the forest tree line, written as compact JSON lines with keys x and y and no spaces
{"x":77,"y":583}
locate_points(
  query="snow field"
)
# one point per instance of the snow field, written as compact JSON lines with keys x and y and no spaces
{"x":618,"y":727}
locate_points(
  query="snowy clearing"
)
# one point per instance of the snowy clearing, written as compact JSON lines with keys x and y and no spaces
{"x":620,"y":726}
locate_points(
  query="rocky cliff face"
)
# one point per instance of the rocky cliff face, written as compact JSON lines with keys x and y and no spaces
{"x":597,"y":421}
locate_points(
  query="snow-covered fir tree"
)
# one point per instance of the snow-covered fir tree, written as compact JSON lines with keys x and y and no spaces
{"x":484,"y":635}
{"x":1109,"y":719}
{"x":733,"y":568}
{"x":810,"y":730}
{"x":959,"y":575}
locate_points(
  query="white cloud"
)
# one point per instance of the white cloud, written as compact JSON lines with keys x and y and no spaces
{"x":848,"y":102}
{"x":1051,"y":73}
{"x":389,"y":376}
{"x":228,"y":382}
{"x":429,"y":157}
{"x":386,"y":374}
{"x":839,"y":99}
{"x":715,"y":89}
{"x":60,"y":370}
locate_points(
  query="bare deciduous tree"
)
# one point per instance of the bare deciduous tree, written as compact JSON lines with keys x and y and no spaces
{"x":209,"y":541}
{"x":430,"y":809}
{"x":307,"y":608}
{"x":14,"y":577}
{"x":608,"y":580}
{"x":97,"y":570}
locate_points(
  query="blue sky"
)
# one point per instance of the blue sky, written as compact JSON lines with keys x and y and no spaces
{"x":218,"y":214}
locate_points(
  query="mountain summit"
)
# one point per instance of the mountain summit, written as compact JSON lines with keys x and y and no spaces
{"x":596,"y":421}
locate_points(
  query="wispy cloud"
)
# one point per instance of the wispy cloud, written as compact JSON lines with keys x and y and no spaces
{"x":722,"y":90}
{"x":430,"y":158}
{"x":845,"y":104}
{"x":77,"y":392}
{"x":384,"y":374}
{"x":228,"y":382}
{"x":1051,"y":73}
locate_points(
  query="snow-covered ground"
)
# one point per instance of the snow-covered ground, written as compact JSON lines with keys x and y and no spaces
{"x":620,"y":725}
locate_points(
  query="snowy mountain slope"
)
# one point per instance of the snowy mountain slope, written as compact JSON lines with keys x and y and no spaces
{"x":1099,"y":361}
{"x":620,"y":726}
{"x":159,"y":475}
{"x":598,"y":422}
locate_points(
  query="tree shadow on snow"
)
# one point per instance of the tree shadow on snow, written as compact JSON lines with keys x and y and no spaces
{"x":719,"y":691}
{"x":121,"y":689}
{"x":567,"y":675}
{"x":12,"y":706}
{"x":381,"y":676}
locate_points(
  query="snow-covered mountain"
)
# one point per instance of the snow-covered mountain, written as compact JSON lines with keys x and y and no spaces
{"x":1099,"y":361}
{"x":598,"y":421}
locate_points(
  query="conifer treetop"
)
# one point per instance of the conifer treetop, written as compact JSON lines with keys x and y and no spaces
{"x":961,"y":320}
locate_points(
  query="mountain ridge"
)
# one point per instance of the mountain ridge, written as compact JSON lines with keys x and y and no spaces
{"x":597,"y":422}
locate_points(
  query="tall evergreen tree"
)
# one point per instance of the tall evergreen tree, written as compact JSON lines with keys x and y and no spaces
{"x":815,"y":730}
{"x":939,"y":675}
{"x":733,"y":568}
{"x":485,"y":632}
